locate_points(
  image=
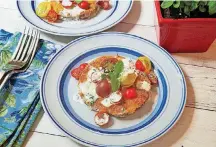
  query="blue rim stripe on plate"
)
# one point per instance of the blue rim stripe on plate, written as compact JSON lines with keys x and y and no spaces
{"x":76,"y":34}
{"x":163,"y":51}
{"x":33,"y":4}
{"x":69,"y":110}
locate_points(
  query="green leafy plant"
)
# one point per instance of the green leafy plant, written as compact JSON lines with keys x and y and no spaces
{"x":187,"y":7}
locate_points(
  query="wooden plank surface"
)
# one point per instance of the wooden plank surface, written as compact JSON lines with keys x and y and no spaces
{"x":197,"y":125}
{"x":187,"y":132}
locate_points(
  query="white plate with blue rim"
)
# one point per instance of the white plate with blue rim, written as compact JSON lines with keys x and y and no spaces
{"x":103,"y":21}
{"x":76,"y":120}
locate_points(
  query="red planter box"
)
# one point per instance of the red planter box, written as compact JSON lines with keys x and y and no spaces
{"x":184,"y":35}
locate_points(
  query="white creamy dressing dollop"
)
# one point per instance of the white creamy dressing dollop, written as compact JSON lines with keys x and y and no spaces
{"x":66,"y":3}
{"x":71,"y":13}
{"x":94,"y":74}
{"x":129,"y":67}
{"x":88,"y":88}
{"x":143,"y":85}
{"x":112,"y":99}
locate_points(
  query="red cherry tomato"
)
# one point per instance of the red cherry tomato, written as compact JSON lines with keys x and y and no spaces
{"x":103,"y":88}
{"x":75,"y":73}
{"x":52,"y":16}
{"x":140,"y":66}
{"x":84,"y":5}
{"x":83,"y":66}
{"x":129,"y":93}
{"x":104,"y":4}
{"x":100,"y":3}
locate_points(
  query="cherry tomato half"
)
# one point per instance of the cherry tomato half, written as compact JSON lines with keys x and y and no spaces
{"x":83,"y":66}
{"x":52,"y":16}
{"x":101,"y":118}
{"x":140,"y":66}
{"x":76,"y":73}
{"x":104,"y":4}
{"x":129,"y":93}
{"x":146,"y":62}
{"x":84,"y":5}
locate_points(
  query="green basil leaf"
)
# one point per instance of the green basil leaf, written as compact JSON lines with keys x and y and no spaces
{"x":118,"y":68}
{"x":194,"y":6}
{"x":204,"y":2}
{"x":212,"y":7}
{"x":188,"y":3}
{"x":166,"y":4}
{"x":114,"y":75}
{"x":176,"y":4}
{"x":78,"y":1}
{"x":202,"y":8}
{"x":187,"y":10}
{"x":182,"y":5}
{"x":115,"y":83}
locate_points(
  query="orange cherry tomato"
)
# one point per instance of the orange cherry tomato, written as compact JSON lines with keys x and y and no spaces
{"x":52,"y":16}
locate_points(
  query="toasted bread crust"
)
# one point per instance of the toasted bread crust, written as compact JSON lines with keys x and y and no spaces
{"x":90,"y":13}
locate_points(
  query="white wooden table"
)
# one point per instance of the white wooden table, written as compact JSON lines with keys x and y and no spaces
{"x":196,"y":127}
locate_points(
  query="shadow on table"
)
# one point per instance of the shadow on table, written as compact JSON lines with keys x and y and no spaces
{"x":59,"y":39}
{"x":131,"y":19}
{"x":181,"y":127}
{"x":206,"y":59}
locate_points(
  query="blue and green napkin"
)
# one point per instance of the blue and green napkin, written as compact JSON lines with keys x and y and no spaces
{"x":19,"y":99}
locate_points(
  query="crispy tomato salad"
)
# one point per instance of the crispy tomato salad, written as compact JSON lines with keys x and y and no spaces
{"x":115,"y":85}
{"x":54,"y":10}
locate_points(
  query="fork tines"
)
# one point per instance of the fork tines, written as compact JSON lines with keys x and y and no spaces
{"x":27,"y":45}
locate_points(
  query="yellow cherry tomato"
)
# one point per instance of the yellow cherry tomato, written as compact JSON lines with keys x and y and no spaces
{"x":146,"y":62}
{"x":91,"y":1}
{"x":128,"y":80}
{"x":57,"y":7}
{"x":43,"y":9}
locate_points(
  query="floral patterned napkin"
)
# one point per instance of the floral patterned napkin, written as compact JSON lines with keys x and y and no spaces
{"x":19,"y":99}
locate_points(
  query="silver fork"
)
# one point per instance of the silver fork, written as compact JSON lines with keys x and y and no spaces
{"x":22,"y":56}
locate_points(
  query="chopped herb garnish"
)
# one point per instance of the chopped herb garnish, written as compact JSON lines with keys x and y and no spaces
{"x":104,"y":76}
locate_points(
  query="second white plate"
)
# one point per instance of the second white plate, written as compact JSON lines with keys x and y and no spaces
{"x":103,"y":21}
